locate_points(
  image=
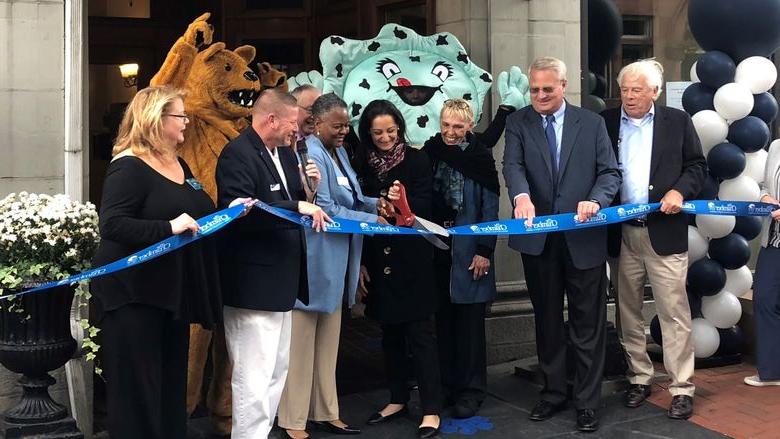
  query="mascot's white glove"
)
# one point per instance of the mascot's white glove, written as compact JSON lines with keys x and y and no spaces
{"x":513,"y":88}
{"x":312,"y":77}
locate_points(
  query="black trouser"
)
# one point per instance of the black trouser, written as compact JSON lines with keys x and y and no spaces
{"x":418,"y":339}
{"x":460,"y":331}
{"x":548,"y":277}
{"x":145,"y":366}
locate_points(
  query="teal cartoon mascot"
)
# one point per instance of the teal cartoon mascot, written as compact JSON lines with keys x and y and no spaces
{"x":416,"y":73}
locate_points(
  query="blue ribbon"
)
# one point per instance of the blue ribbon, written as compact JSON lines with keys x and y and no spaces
{"x":610,"y":215}
{"x":343,"y":225}
{"x":208,"y":225}
{"x":543,"y":224}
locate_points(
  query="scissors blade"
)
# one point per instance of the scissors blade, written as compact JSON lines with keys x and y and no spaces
{"x":432,"y":227}
{"x":438,"y":243}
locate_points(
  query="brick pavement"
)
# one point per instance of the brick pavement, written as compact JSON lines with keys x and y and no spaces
{"x":725,"y":404}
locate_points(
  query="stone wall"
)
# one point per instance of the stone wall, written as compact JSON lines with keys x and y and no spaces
{"x":31,"y":95}
{"x":32,"y":48}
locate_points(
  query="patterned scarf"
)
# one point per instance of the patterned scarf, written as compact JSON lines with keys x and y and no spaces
{"x":383,"y":161}
{"x":449,"y":182}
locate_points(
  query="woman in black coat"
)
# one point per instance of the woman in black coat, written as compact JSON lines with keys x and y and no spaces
{"x":397,"y":278}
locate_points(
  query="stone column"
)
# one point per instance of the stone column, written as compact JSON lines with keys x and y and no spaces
{"x":499,"y":34}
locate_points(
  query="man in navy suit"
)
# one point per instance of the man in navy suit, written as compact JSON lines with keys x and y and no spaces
{"x":558,"y":159}
{"x":263,"y":262}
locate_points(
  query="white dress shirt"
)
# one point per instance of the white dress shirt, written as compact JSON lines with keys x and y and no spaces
{"x":635,"y":147}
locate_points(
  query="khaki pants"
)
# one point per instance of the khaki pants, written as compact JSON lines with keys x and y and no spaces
{"x":310,"y":391}
{"x":666,"y":274}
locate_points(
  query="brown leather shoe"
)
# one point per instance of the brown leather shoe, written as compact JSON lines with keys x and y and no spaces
{"x":636,"y":395}
{"x":681,"y":408}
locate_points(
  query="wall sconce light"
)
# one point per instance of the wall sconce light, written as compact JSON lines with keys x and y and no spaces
{"x":129,"y":74}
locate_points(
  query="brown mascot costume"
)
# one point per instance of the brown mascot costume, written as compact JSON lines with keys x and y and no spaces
{"x":221,"y":89}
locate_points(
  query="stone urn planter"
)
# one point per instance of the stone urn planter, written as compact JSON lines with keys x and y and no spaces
{"x":35,"y":339}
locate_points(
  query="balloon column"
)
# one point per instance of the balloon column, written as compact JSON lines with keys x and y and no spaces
{"x":730,"y":105}
{"x":605,"y":27}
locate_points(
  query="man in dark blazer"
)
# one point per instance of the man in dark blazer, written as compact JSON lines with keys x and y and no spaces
{"x":263,"y":258}
{"x":661,"y":160}
{"x":558,"y":159}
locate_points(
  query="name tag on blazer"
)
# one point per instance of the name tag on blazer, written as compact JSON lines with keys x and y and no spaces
{"x":194,"y":183}
{"x":342,"y":181}
{"x":276,"y":187}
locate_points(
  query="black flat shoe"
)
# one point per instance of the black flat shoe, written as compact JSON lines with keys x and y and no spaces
{"x":330,"y":428}
{"x":427,"y":432}
{"x":587,"y":421}
{"x":465,"y":408}
{"x":377,"y":417}
{"x":544,"y":410}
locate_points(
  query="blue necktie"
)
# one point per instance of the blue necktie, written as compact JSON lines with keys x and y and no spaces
{"x":552,"y":144}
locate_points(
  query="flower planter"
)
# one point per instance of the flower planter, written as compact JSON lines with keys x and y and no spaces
{"x":33,"y":343}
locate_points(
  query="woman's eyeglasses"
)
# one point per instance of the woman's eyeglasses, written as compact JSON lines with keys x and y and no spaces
{"x":180,"y":116}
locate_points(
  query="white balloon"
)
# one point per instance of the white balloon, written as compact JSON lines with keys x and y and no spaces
{"x":739,"y":281}
{"x":694,"y":75}
{"x":755,"y":164}
{"x":697,"y":245}
{"x":715,"y":226}
{"x":742,"y":188}
{"x":711,"y":128}
{"x":775,"y":144}
{"x":723,"y":310}
{"x":757,"y":73}
{"x":705,"y":338}
{"x":733,"y":101}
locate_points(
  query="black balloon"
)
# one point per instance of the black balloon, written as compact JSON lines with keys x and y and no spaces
{"x":706,"y":277}
{"x":715,"y":69}
{"x":749,"y":133}
{"x":749,"y":227}
{"x":591,"y":82}
{"x":601,"y":86}
{"x":732,"y":341}
{"x":698,"y":97}
{"x":764,"y":107}
{"x":741,"y":28}
{"x":726,"y":160}
{"x":709,"y":190}
{"x":655,"y":331}
{"x":594,"y":103}
{"x":732,"y":251}
{"x":605,"y":27}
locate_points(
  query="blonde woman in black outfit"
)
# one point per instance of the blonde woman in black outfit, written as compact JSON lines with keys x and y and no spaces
{"x":150,"y":194}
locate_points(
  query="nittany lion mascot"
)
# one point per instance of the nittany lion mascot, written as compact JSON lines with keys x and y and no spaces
{"x":220,"y":91}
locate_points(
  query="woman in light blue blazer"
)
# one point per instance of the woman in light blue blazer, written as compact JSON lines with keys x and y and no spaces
{"x":333,"y":264}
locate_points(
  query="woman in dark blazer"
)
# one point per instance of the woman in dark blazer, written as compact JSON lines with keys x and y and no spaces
{"x":396,"y":277}
{"x":465,"y":191}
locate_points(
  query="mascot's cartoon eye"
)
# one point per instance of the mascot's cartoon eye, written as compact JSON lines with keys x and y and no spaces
{"x":442,"y":71}
{"x":388,"y":68}
{"x":227,"y":67}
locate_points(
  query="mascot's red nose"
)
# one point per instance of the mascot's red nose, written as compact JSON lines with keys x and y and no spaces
{"x":403,"y":82}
